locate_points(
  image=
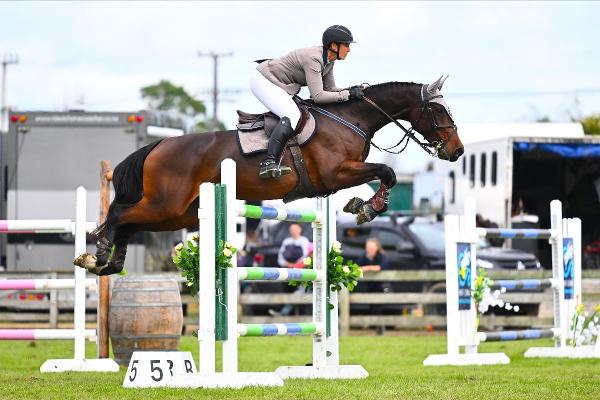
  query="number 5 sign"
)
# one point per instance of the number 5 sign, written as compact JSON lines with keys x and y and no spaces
{"x":157,"y":368}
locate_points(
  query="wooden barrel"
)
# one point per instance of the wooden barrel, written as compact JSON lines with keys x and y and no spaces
{"x":145,"y":315}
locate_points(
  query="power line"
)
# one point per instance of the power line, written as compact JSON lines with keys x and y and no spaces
{"x":526,"y":93}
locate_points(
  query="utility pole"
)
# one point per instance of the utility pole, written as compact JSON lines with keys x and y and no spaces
{"x":215,"y":90}
{"x":6,"y":60}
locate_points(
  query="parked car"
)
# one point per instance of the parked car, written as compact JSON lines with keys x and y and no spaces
{"x":265,"y":253}
{"x":419,"y":244}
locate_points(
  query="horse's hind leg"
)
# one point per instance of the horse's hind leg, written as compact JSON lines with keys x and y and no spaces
{"x":105,"y":235}
{"x":117,"y":261}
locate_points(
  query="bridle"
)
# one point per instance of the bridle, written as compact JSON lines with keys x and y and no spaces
{"x":431,"y":148}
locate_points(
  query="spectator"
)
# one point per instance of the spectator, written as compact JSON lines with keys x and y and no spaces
{"x":373,"y":259}
{"x":294,"y":249}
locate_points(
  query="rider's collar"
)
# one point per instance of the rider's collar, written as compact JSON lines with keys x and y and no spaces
{"x":325,"y":59}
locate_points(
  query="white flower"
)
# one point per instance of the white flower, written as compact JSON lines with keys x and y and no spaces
{"x":516,"y":308}
{"x":227,"y":252}
{"x":336,"y":246}
{"x":508,"y":306}
{"x":502,"y":289}
{"x":179,"y":247}
{"x":194,"y":237}
{"x":346,"y":269}
{"x":308,"y":261}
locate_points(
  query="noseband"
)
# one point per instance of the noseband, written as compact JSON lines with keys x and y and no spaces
{"x":431,"y":148}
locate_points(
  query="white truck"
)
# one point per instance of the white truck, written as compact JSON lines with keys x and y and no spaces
{"x":514,"y":170}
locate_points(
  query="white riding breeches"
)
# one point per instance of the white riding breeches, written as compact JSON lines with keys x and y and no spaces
{"x":274,"y":98}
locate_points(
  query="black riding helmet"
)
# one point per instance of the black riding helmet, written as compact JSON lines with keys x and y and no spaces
{"x":337,"y":34}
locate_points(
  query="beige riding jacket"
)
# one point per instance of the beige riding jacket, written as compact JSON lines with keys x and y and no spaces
{"x":304,"y":67}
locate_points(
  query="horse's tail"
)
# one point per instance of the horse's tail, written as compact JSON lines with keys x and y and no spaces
{"x":128,"y":182}
{"x":128,"y":176}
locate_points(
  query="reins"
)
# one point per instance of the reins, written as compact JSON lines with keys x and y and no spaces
{"x":410,"y":133}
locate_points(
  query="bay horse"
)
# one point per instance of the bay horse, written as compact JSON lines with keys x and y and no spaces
{"x":156,"y":187}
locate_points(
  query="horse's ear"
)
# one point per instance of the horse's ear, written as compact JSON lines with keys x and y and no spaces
{"x":432,"y":87}
{"x":442,"y":82}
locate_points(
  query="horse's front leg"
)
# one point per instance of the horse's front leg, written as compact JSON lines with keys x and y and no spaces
{"x":354,"y":173}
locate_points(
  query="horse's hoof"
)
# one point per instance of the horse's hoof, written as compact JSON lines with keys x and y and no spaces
{"x":88,"y":262}
{"x":354,"y":205}
{"x":366,"y":214}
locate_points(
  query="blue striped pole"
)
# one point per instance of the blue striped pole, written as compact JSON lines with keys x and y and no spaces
{"x":516,"y":335}
{"x":279,"y":274}
{"x":300,"y":328}
{"x":515,"y":233}
{"x":524,"y":284}
{"x":280,"y":214}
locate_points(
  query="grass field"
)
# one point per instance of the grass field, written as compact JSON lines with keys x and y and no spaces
{"x":393,"y":362}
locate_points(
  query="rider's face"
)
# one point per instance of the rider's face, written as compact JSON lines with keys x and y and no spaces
{"x":344,"y":49}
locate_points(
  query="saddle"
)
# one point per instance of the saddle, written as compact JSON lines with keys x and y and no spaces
{"x":254,"y":130}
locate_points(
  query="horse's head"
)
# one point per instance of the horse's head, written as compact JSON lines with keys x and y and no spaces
{"x":433,"y":119}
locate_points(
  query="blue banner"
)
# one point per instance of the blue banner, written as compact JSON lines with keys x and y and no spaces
{"x":463,"y":251}
{"x":568,"y":150}
{"x":569,"y":268}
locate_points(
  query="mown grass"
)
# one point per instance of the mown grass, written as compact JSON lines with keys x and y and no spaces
{"x":394,"y":364}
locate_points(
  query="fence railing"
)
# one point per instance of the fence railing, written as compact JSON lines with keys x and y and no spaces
{"x":418,"y":309}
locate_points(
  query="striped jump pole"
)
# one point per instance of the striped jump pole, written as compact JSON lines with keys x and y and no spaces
{"x":79,"y":284}
{"x":526,"y":334}
{"x":494,"y":233}
{"x":219,"y":289}
{"x":43,"y":284}
{"x":300,"y":328}
{"x":39,"y":334}
{"x":279,"y":214}
{"x":564,"y":236}
{"x":279,"y":274}
{"x":524,"y":284}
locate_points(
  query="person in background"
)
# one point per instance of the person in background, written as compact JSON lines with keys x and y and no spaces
{"x":373,"y":259}
{"x":294,"y":249}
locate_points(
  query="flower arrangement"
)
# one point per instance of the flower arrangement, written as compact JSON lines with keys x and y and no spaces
{"x":187,"y":258}
{"x":585,"y":328}
{"x":484,"y":297}
{"x":338,"y":274}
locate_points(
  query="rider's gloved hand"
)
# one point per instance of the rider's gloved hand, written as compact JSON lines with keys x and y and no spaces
{"x":356,"y":92}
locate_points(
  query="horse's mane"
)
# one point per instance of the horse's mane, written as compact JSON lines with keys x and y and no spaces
{"x":390,"y":84}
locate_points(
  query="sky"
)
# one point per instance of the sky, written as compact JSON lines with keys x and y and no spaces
{"x":507,"y":61}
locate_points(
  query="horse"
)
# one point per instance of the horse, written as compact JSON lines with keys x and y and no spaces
{"x":156,"y":187}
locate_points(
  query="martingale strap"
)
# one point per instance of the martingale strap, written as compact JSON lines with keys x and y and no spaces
{"x":342,"y":121}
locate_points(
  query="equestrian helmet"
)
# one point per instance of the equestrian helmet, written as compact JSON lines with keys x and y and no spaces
{"x":337,"y":34}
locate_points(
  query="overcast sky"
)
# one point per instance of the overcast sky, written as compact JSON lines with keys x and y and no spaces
{"x":508,"y":62}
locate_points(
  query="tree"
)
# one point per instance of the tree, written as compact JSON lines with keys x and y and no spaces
{"x":591,"y":124}
{"x":165,"y":96}
{"x":168,"y":97}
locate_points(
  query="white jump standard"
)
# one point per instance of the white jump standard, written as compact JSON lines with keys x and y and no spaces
{"x":461,"y":240}
{"x":78,"y":334}
{"x":217,"y":207}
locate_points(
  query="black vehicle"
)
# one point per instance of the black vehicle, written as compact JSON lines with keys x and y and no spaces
{"x":419,"y":244}
{"x":408,"y":244}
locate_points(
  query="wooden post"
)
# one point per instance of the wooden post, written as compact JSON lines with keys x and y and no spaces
{"x":344,"y":310}
{"x":103,"y":281}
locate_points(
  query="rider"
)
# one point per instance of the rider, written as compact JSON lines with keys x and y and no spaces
{"x":275,"y":81}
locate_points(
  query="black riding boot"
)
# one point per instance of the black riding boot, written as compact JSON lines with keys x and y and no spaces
{"x":269,"y":167}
